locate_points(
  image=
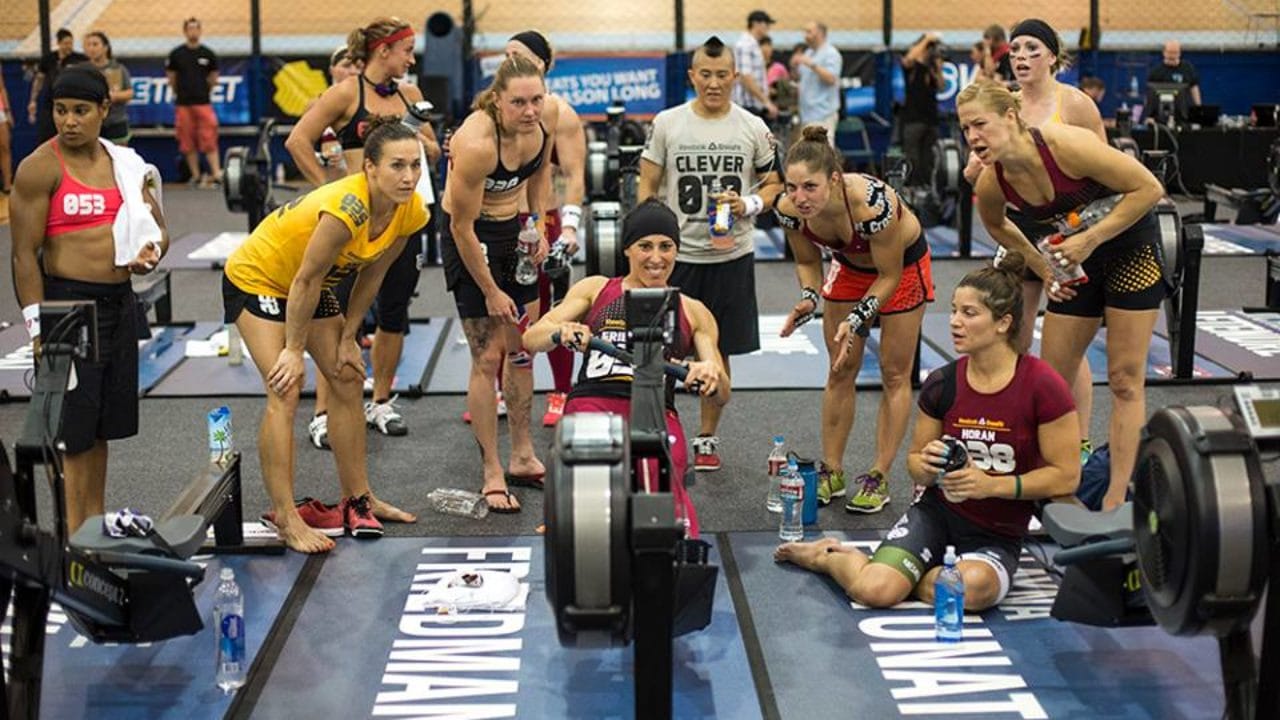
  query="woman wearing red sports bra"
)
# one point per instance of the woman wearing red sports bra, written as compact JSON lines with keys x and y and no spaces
{"x":1047,"y":173}
{"x":881,"y":266}
{"x":65,"y":201}
{"x":1036,"y":56}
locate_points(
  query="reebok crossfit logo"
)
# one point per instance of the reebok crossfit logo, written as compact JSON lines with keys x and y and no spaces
{"x":459,"y":665}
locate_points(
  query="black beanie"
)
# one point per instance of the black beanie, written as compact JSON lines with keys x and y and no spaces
{"x":650,"y":218}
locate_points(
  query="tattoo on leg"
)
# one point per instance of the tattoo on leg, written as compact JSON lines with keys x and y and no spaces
{"x":479,"y":331}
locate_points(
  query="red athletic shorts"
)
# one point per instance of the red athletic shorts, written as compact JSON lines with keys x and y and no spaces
{"x":845,"y":283}
{"x":196,"y":127}
{"x":679,"y":449}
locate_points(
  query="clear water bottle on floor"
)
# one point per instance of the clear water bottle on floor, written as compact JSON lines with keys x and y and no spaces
{"x":791,"y":491}
{"x":948,"y":600}
{"x":526,"y":271}
{"x":777,"y":463}
{"x":228,"y":625}
{"x":462,"y":503}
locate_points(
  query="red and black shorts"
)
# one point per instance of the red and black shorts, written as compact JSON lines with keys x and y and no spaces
{"x":846,"y":282}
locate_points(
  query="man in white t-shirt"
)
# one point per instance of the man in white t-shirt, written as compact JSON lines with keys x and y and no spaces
{"x":708,"y":142}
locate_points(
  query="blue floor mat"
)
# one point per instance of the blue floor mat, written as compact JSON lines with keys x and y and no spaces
{"x":365,"y":645}
{"x":170,"y":680}
{"x":822,"y":652}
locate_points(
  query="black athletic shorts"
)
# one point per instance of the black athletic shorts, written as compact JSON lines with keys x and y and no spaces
{"x":728,"y":289}
{"x":104,"y":403}
{"x":269,"y":307}
{"x":918,"y":541}
{"x":391,"y":306}
{"x":498,"y":239}
{"x":1126,"y":272}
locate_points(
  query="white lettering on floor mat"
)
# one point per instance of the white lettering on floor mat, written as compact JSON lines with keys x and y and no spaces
{"x":433,"y":667}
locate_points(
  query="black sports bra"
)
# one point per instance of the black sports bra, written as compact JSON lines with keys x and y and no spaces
{"x":351,"y":136}
{"x":502,"y":179}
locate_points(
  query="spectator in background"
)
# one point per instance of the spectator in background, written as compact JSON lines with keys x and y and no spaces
{"x":774,"y":69}
{"x":1094,"y":88}
{"x":995,"y":56}
{"x":819,"y":69}
{"x":782,"y":89}
{"x":922,"y":66}
{"x":751,"y":91}
{"x":192,"y":70}
{"x":98,"y":47}
{"x":1175,"y":70}
{"x":62,"y":55}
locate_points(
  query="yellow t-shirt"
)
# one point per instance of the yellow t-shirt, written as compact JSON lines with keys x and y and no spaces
{"x":266,"y":263}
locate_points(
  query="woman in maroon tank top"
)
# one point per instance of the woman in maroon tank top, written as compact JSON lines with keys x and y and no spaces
{"x":1015,"y":420}
{"x":1049,"y":173}
{"x":650,"y":239}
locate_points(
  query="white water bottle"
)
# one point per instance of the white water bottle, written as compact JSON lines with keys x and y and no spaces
{"x":228,"y":626}
{"x":791,"y":491}
{"x":777,"y":464}
{"x":526,"y":246}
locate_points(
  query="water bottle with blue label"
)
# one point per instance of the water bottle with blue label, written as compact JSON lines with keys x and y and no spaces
{"x":791,"y":491}
{"x":228,"y":626}
{"x":948,"y":600}
{"x":220,"y":441}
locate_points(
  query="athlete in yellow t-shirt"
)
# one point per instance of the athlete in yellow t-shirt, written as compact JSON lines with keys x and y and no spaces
{"x":277,"y":290}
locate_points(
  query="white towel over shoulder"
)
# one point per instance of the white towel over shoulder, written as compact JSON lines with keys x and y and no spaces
{"x":134,"y":226}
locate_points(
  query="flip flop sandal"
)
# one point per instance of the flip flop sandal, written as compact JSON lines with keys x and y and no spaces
{"x":529,"y":481}
{"x":511,"y":508}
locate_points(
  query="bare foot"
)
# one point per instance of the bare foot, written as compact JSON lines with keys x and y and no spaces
{"x":299,"y":537}
{"x":499,"y":498}
{"x":805,"y":554}
{"x":386,"y":511}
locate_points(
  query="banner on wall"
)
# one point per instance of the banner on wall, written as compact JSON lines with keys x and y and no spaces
{"x":590,"y":83}
{"x":152,"y":102}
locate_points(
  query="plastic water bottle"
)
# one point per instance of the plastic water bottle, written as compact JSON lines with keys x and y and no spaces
{"x":221,"y":444}
{"x":526,"y":271}
{"x":791,"y":491}
{"x":948,"y":600}
{"x":1133,"y":86}
{"x":721,"y":217}
{"x":1072,"y":274}
{"x":235,"y":348}
{"x":462,"y":503}
{"x":228,"y":624}
{"x":777,"y":464}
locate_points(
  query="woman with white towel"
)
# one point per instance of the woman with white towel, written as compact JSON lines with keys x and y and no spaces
{"x":84,"y":219}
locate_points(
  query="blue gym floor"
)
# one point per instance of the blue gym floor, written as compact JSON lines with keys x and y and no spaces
{"x":358,"y":641}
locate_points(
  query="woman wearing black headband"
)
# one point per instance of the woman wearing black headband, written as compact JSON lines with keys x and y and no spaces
{"x":65,"y":205}
{"x":569,"y":155}
{"x":1036,"y":57}
{"x":596,"y":306}
{"x":385,"y":47}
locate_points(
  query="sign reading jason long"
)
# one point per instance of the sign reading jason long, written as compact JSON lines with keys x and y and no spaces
{"x":455,"y":665}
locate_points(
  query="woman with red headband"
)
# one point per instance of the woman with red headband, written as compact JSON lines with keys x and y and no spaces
{"x":385,"y":50}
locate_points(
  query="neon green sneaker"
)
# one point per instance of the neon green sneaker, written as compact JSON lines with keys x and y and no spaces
{"x":873,"y":493}
{"x":831,"y":483}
